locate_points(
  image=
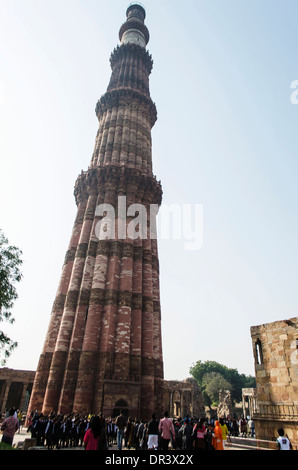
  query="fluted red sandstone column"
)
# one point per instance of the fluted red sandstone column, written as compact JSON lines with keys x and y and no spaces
{"x":104,"y":338}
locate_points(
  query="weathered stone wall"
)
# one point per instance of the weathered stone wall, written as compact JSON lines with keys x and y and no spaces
{"x":225,"y":408}
{"x":275,"y":347}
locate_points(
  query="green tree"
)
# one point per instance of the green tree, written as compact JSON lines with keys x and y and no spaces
{"x":232,"y":376}
{"x":10,"y":274}
{"x":213,"y":382}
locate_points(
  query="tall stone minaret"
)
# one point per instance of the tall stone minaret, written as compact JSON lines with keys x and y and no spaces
{"x":103,"y":347}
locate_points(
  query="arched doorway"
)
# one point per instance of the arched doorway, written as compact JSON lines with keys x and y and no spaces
{"x":121,"y":405}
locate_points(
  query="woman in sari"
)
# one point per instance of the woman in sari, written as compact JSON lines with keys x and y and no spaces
{"x":217,"y":437}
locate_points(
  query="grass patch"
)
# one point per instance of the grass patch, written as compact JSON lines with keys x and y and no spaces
{"x":4,"y":446}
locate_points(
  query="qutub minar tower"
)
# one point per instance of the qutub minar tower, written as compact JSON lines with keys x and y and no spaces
{"x":103,"y":348}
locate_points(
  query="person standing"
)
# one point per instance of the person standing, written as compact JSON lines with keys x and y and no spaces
{"x":243,"y":427}
{"x":283,"y":443}
{"x":128,"y":433}
{"x":120,"y":423}
{"x":224,"y":431}
{"x":209,"y":436}
{"x":217,"y":437}
{"x":103,"y":441}
{"x":153,"y":433}
{"x":251,"y":426}
{"x":20,"y":419}
{"x":188,"y":434}
{"x":166,"y":428}
{"x":199,"y":434}
{"x":92,"y":435}
{"x":139,"y":435}
{"x":49,"y":432}
{"x":9,"y":427}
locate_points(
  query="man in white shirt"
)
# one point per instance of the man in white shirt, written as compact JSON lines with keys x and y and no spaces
{"x":283,"y":443}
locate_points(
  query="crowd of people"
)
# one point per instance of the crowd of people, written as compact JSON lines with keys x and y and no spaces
{"x":57,"y":431}
{"x":95,"y":432}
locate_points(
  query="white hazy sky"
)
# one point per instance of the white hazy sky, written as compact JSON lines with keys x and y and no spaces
{"x":226,"y":137}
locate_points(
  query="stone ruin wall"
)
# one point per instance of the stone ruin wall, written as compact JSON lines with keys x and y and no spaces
{"x":183,"y":398}
{"x":225,"y":408}
{"x":275,"y":348}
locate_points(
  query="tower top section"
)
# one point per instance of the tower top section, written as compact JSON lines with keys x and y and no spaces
{"x":134,"y":31}
{"x":136,"y":9}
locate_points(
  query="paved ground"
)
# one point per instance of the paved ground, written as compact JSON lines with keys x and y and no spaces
{"x":20,"y":438}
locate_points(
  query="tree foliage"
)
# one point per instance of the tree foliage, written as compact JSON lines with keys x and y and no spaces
{"x":212,"y":376}
{"x":213,"y":382}
{"x":10,"y":274}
